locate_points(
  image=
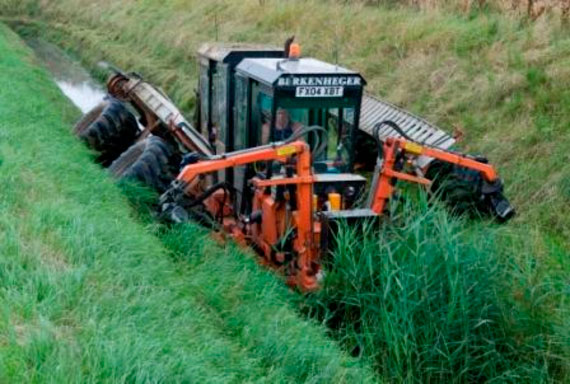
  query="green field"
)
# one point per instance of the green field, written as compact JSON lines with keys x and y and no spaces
{"x":436,"y":299}
{"x":88,"y":294}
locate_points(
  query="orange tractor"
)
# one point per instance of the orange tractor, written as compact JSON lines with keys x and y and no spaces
{"x":271,"y":158}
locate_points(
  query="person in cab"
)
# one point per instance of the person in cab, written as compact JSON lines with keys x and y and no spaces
{"x":284,"y":127}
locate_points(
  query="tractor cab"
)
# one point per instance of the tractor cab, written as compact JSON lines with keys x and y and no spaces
{"x":267,"y":97}
{"x":282,"y":99}
{"x":250,"y":95}
{"x":277,"y":99}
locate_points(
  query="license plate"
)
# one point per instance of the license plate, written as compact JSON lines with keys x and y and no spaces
{"x":319,"y":92}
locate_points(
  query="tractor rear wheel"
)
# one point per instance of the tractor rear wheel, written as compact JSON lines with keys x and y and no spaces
{"x":151,"y":162}
{"x":109,"y":129}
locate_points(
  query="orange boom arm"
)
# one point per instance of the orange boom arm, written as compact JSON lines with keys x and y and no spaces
{"x":388,"y":174}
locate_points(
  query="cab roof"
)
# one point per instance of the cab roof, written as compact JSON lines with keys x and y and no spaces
{"x":269,"y":70}
{"x":222,"y":51}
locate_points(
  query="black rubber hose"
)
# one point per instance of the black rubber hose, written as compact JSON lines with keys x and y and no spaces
{"x":321,"y":144}
{"x":303,"y":131}
{"x":394,"y":126}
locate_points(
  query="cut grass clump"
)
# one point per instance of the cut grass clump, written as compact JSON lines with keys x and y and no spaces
{"x":430,"y":300}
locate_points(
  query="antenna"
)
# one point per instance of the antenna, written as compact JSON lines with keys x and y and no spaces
{"x":287,"y":46}
{"x":336,"y":46}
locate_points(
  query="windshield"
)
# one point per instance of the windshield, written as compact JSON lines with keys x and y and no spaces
{"x":331,"y":145}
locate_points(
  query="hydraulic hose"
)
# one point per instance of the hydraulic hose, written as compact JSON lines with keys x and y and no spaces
{"x":320,"y":144}
{"x":394,"y":126}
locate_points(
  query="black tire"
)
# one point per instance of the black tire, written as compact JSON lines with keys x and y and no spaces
{"x":458,"y":187}
{"x":89,"y":118}
{"x":109,"y":129}
{"x":151,"y":162}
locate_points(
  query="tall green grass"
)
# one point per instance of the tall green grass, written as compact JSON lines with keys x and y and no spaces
{"x":88,"y":294}
{"x":424,"y":297}
{"x":431,"y":299}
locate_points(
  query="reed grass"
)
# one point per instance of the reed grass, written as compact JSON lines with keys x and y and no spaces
{"x":432,"y":299}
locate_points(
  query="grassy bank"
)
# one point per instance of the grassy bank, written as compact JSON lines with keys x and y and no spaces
{"x":87,"y":294}
{"x":427,"y":300}
{"x":436,"y":299}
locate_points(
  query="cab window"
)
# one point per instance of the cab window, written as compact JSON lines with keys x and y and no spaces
{"x":261,"y":117}
{"x":204,"y":99}
{"x":331,"y":145}
{"x":219,"y":94}
{"x":240,"y":139}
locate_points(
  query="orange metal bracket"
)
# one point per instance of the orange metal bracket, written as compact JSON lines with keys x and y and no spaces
{"x":488,"y":171}
{"x":306,"y":277}
{"x":235,"y":159}
{"x":387,"y":177}
{"x":407,"y":177}
{"x":286,"y":181}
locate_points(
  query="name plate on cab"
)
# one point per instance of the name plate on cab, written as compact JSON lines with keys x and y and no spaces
{"x":319,"y":91}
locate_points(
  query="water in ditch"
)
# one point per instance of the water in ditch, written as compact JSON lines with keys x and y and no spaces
{"x":73,"y":80}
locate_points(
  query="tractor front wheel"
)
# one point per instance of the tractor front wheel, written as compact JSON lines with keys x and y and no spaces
{"x":109,"y":129}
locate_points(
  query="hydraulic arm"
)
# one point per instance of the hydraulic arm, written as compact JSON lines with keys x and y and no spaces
{"x":397,"y":152}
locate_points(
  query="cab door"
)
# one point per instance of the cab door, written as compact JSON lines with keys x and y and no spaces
{"x":241,"y":118}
